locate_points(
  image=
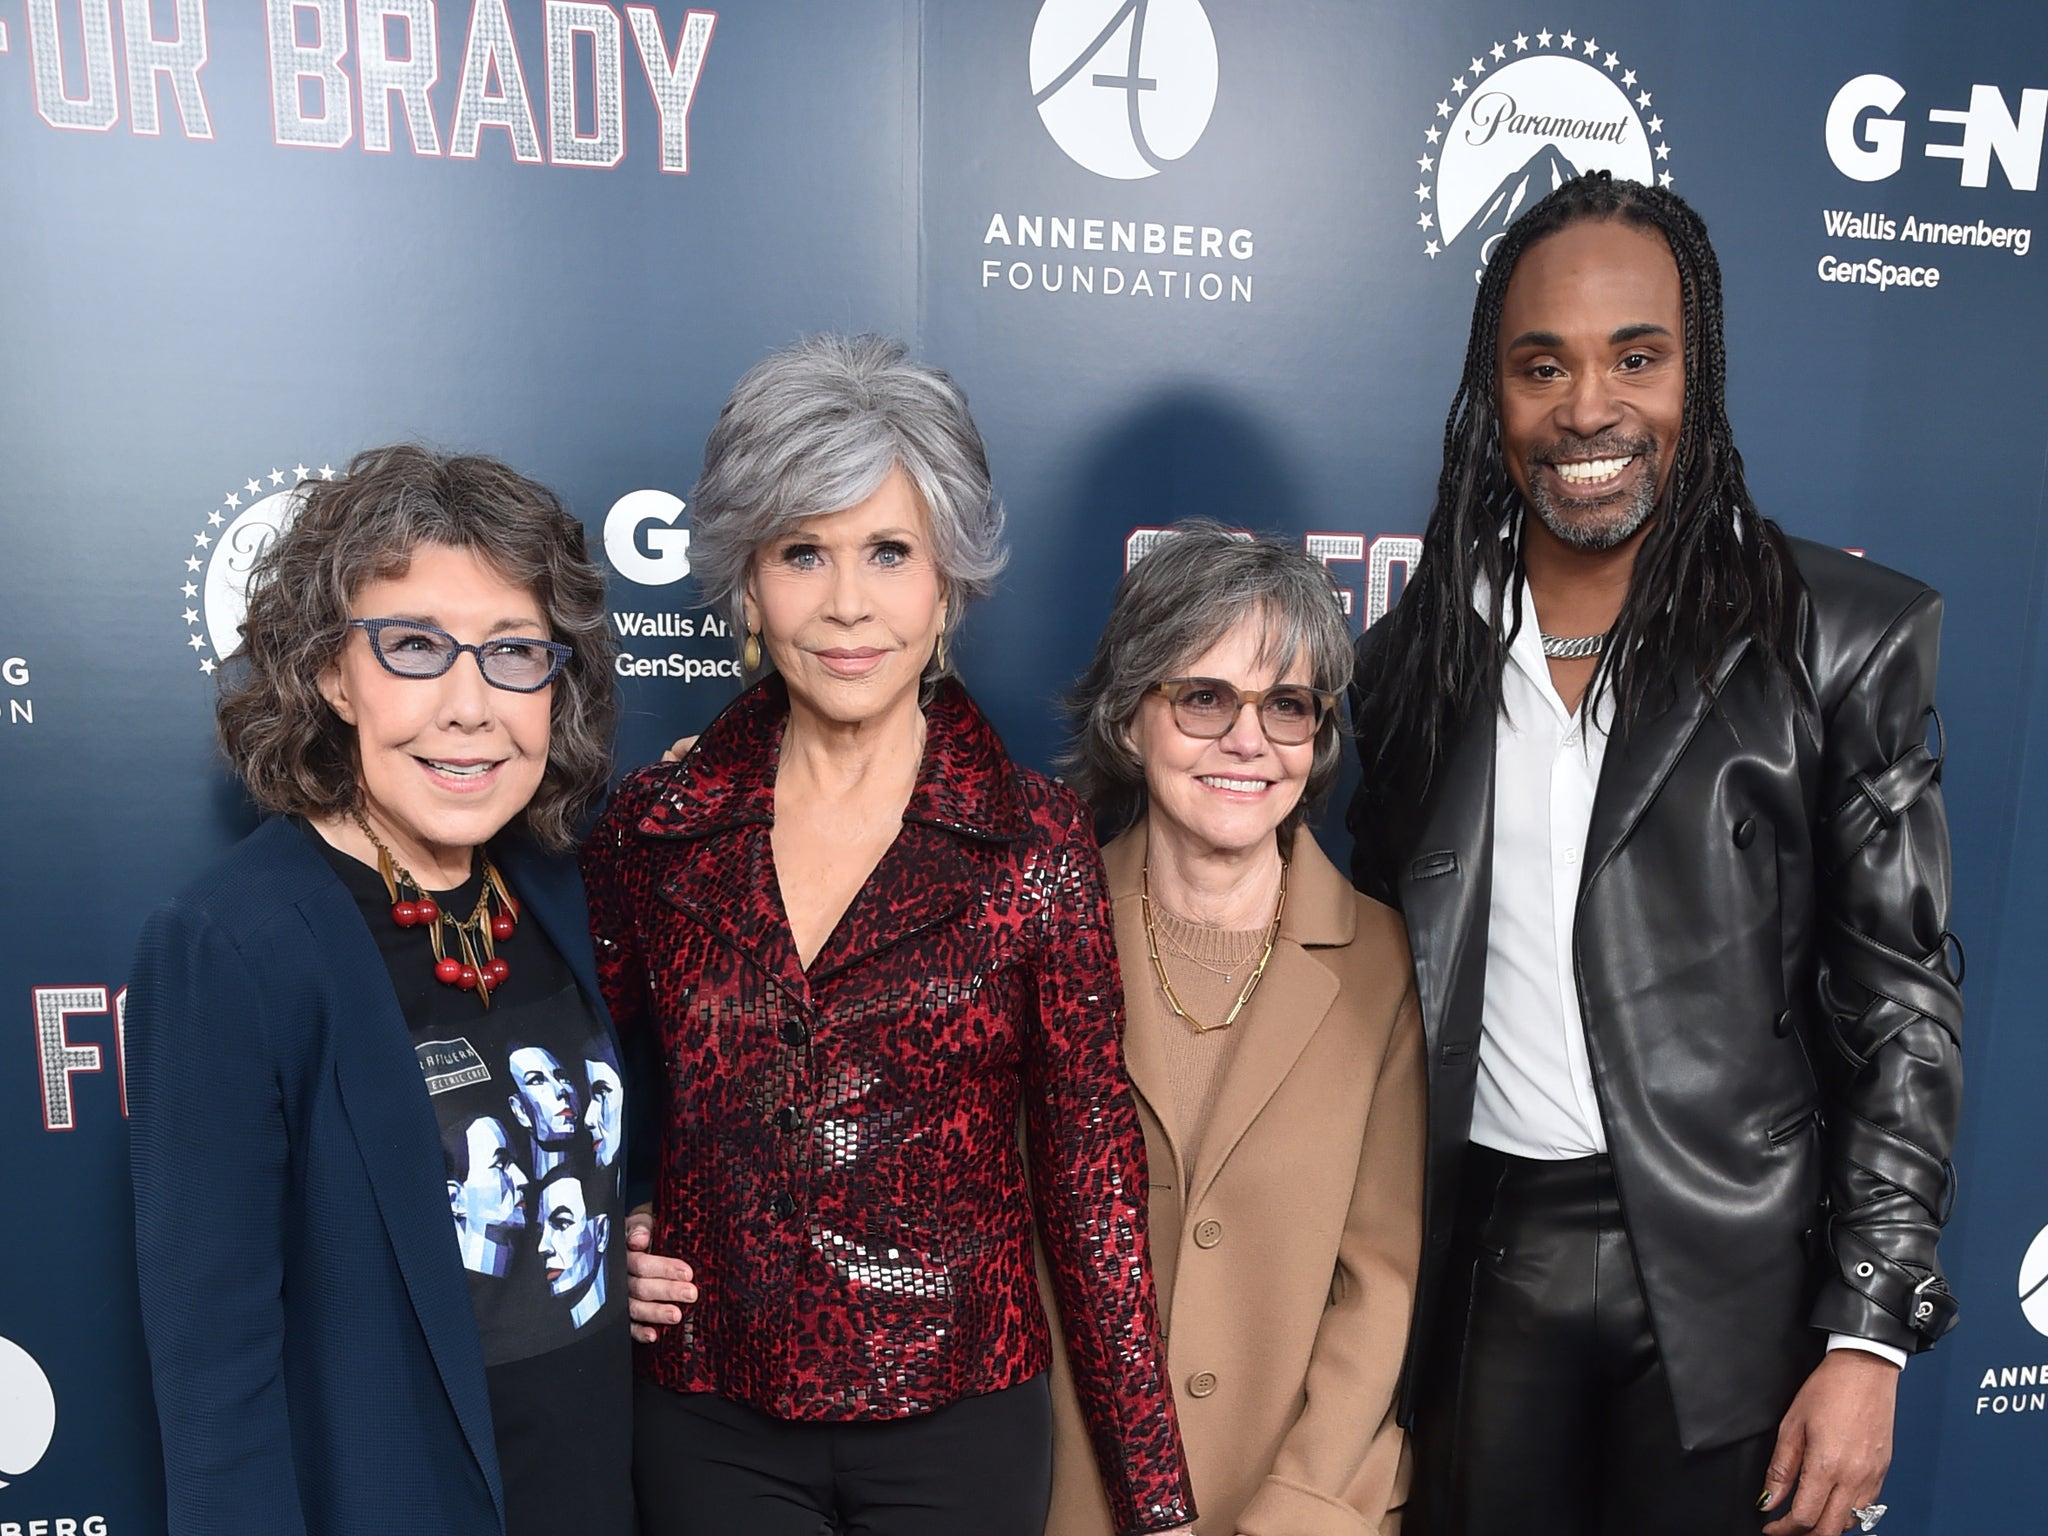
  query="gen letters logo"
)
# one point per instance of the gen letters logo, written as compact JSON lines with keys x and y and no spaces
{"x":642,"y":538}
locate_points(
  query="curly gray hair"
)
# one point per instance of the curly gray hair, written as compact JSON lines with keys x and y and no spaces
{"x":293,"y":753}
{"x":816,"y":428}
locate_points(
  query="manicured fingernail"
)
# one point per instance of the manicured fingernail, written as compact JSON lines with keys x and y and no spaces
{"x":1763,"y":1500}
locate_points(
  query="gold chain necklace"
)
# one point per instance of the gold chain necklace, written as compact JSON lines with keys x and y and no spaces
{"x":1159,"y":966}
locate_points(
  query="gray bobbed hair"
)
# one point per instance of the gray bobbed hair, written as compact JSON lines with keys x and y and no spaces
{"x":815,"y":429}
{"x":1200,"y":582}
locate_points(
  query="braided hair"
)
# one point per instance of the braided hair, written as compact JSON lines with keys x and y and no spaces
{"x":1710,"y":570}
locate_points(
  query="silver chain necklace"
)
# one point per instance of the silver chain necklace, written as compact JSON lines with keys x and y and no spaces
{"x":1576,"y":648}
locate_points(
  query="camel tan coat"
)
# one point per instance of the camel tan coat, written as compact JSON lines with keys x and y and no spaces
{"x":1286,"y":1264}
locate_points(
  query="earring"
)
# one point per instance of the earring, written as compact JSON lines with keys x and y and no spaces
{"x":750,"y":651}
{"x":940,"y":654}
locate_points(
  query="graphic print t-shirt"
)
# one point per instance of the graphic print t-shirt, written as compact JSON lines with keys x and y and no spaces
{"x":532,"y":1114}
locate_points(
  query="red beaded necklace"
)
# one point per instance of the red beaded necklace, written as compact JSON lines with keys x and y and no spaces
{"x":475,"y":965}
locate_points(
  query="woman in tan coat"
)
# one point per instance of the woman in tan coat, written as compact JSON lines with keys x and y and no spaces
{"x":1273,"y":1045}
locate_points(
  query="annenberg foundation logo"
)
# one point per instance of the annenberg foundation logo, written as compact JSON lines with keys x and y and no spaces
{"x":217,"y":566}
{"x":2034,"y":1282}
{"x":28,"y":1412}
{"x":1523,"y":117}
{"x":1123,"y":86}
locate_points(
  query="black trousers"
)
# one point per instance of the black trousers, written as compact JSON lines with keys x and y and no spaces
{"x":706,"y":1466}
{"x":1544,"y":1409}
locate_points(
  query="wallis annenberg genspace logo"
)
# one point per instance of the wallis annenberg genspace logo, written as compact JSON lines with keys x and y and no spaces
{"x":1125,"y":88}
{"x":1525,"y":115}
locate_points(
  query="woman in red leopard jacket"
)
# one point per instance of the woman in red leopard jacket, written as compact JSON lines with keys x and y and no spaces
{"x":862,"y":942}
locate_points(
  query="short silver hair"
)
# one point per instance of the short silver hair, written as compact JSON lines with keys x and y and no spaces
{"x":816,"y":428}
{"x":1201,"y":581}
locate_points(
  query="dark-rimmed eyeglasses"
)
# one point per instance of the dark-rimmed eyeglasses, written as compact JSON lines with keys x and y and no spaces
{"x":408,"y":648}
{"x":1207,"y":707}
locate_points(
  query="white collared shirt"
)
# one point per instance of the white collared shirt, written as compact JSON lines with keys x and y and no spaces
{"x":1535,"y":1096}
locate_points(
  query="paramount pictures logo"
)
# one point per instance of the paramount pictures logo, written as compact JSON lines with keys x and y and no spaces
{"x":233,"y":534}
{"x":1522,"y":118}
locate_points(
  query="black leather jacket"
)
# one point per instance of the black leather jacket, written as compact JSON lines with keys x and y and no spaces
{"x":1762,"y":954}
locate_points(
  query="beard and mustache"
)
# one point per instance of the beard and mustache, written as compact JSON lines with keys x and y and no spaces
{"x":1598,"y":523}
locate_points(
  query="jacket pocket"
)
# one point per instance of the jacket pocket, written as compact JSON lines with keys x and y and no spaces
{"x":1430,"y":865}
{"x":1778,"y":1135}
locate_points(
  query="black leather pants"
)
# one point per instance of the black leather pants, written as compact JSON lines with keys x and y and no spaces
{"x":1544,"y":1408}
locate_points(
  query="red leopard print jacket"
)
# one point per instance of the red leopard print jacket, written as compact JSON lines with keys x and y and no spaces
{"x":840,"y":1160}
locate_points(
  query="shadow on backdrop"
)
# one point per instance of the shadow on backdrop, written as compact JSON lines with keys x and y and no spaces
{"x":1180,"y":453}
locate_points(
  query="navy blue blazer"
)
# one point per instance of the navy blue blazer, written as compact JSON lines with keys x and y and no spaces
{"x":309,"y":1322}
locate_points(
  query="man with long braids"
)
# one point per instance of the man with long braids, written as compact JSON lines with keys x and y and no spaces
{"x":1657,"y":788}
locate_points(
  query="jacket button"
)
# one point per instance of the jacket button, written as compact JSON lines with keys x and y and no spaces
{"x":1208,"y":1233}
{"x":782,"y":1206}
{"x":793,"y":1032}
{"x":1745,"y":832}
{"x":1201,"y":1384}
{"x":1781,"y":1026}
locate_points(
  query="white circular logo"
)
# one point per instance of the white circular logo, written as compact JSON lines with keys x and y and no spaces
{"x":649,"y":516}
{"x":28,"y":1412}
{"x":1523,"y":118}
{"x":2034,"y":1282}
{"x":1124,"y":86}
{"x":216,"y":581}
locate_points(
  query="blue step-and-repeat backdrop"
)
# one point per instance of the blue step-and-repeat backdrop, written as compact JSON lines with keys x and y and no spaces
{"x":1187,"y":256}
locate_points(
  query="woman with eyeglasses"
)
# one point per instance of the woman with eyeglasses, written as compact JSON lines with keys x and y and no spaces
{"x":1273,"y":1042}
{"x":379,"y":1229}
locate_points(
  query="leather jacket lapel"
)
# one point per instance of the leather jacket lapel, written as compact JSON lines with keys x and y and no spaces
{"x":1638,"y":764}
{"x":1446,"y":889}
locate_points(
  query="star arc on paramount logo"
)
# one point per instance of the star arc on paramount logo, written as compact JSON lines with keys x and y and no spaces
{"x":1525,"y":115}
{"x":215,"y":580}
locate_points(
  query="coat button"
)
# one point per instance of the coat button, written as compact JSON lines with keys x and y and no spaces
{"x":1201,"y":1384}
{"x":1208,"y":1233}
{"x":1781,"y":1026}
{"x":1745,"y":832}
{"x":789,"y":1119}
{"x":782,"y":1206}
{"x":793,"y":1031}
